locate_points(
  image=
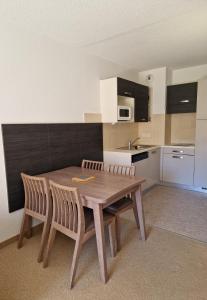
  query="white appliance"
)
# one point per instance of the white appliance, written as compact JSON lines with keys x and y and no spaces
{"x":124,"y":113}
{"x":200,"y":176}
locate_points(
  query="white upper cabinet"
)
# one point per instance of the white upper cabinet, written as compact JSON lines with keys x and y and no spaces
{"x":202,"y":99}
{"x":116,"y":92}
{"x":108,"y":98}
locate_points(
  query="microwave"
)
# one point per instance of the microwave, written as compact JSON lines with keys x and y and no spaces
{"x":124,"y":113}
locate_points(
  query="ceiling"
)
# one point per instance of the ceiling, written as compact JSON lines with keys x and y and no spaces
{"x":133,"y":33}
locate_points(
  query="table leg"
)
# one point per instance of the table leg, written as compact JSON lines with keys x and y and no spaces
{"x":140,"y":213}
{"x":100,"y":239}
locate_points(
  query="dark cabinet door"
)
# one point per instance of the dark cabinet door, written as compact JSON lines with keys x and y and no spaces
{"x":125,"y":87}
{"x":141,"y":107}
{"x":182,"y":98}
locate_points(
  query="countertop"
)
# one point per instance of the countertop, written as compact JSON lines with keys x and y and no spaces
{"x":131,"y":152}
{"x":137,"y":151}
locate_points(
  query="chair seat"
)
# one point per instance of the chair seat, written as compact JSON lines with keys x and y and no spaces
{"x":89,"y":218}
{"x":120,"y":205}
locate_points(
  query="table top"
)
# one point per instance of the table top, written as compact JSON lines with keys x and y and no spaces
{"x":103,"y":188}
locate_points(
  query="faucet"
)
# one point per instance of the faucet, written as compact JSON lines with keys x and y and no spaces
{"x":131,"y":143}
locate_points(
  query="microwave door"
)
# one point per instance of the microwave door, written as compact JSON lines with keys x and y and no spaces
{"x":124,"y":113}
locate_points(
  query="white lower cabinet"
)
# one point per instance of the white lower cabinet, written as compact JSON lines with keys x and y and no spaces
{"x":178,"y":168}
{"x":175,"y":165}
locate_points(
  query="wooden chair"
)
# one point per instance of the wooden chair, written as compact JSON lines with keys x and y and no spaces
{"x":92,"y":165}
{"x":70,"y":218}
{"x":38,"y":205}
{"x":125,"y":203}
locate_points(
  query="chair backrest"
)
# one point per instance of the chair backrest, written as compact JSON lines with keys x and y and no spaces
{"x":92,"y":165}
{"x":37,"y":196}
{"x":121,"y":170}
{"x":68,"y":212}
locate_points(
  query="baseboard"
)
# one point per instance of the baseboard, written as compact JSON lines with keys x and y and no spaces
{"x":35,"y":229}
{"x":183,"y":187}
{"x":150,"y":188}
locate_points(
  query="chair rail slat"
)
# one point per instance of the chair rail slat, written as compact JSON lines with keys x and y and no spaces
{"x":92,"y":165}
{"x":121,"y":170}
{"x":67,"y":208}
{"x":37,"y":205}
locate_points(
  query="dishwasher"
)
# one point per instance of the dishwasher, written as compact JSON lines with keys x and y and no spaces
{"x":148,"y":166}
{"x":141,"y":163}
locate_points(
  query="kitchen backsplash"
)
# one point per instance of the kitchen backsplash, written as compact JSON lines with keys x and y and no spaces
{"x":153,"y":132}
{"x":183,"y":128}
{"x":162,"y":129}
{"x":119,"y":134}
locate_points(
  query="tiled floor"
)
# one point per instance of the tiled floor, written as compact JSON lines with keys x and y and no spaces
{"x":176,"y":210}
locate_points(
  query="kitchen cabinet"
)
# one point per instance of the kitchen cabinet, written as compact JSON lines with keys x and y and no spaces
{"x":178,"y":165}
{"x":182,"y":98}
{"x":200,"y":178}
{"x":200,"y":175}
{"x":147,"y":163}
{"x":109,"y":100}
{"x":141,"y":106}
{"x":200,"y":154}
{"x":202,"y":99}
{"x":126,"y":87}
{"x":137,"y":94}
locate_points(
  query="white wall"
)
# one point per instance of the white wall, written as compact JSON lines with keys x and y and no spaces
{"x":42,"y":81}
{"x":157,"y":86}
{"x":188,"y":74}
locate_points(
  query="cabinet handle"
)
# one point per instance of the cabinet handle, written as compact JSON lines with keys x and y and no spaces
{"x":176,"y":156}
{"x":184,"y":101}
{"x":178,"y":151}
{"x":127,"y":93}
{"x":154,"y":152}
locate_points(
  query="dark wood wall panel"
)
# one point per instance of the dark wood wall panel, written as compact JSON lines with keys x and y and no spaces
{"x":38,"y":148}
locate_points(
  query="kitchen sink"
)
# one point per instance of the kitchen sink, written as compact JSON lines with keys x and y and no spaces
{"x":136,"y":147}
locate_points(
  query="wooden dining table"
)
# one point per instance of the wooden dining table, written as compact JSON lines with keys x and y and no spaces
{"x":98,"y":193}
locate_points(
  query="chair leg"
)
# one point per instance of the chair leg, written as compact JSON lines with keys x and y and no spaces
{"x":49,"y":246}
{"x":118,"y":238}
{"x":29,"y":228}
{"x":76,"y":254}
{"x":136,"y":215}
{"x":44,"y":238}
{"x":22,"y":230}
{"x":112,"y":237}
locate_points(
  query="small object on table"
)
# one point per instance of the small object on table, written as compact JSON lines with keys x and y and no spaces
{"x":83,"y":178}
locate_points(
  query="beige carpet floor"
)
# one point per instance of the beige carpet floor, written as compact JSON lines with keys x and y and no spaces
{"x":167,"y":266}
{"x":180,"y":211}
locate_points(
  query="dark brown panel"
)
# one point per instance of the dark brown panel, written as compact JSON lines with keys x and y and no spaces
{"x":141,"y":110}
{"x":38,"y":148}
{"x":182,"y":98}
{"x":70,"y":143}
{"x":126,"y":87}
